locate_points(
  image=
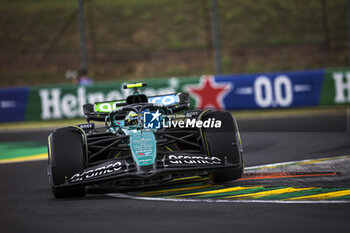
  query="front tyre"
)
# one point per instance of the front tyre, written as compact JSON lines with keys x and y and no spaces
{"x":67,"y":156}
{"x":224,"y":143}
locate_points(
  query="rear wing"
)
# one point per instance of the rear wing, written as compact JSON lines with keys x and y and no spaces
{"x":98,"y":111}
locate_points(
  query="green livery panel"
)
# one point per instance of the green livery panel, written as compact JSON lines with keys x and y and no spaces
{"x":143,"y":147}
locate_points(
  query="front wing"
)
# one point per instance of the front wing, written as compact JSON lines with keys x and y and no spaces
{"x":120,"y":169}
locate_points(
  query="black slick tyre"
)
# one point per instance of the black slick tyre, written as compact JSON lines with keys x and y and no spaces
{"x":67,"y":156}
{"x":224,"y":143}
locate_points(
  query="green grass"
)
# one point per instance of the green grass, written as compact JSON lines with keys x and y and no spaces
{"x":10,"y":150}
{"x":242,"y":22}
{"x":144,"y":38}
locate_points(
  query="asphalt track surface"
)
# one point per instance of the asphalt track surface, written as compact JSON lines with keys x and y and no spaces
{"x":26,"y":204}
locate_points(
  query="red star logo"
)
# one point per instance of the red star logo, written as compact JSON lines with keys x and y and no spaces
{"x":209,"y":94}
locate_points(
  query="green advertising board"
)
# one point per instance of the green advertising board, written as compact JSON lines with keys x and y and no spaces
{"x":335,"y":87}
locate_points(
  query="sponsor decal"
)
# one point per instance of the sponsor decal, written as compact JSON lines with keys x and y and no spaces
{"x":87,"y":126}
{"x":107,"y":106}
{"x":194,"y":159}
{"x":120,"y":123}
{"x":193,"y":113}
{"x":144,"y":153}
{"x":164,"y":100}
{"x":95,"y":172}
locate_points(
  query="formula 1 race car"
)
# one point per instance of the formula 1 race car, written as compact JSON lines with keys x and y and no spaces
{"x":143,"y":143}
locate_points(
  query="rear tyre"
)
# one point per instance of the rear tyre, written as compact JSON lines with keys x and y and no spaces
{"x":224,"y":143}
{"x":66,"y":157}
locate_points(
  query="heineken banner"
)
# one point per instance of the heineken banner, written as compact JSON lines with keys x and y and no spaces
{"x":248,"y":91}
{"x":64,"y":102}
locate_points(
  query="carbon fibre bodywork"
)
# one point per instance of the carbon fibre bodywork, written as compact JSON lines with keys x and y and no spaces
{"x":125,"y":153}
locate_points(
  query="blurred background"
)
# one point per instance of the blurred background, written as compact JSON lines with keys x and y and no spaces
{"x":138,"y":39}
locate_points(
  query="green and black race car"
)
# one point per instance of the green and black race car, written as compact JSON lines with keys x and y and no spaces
{"x":145,"y":141}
